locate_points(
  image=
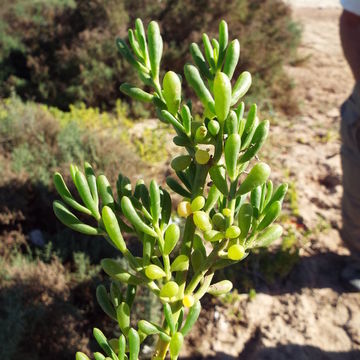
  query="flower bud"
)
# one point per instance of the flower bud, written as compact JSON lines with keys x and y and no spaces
{"x":202,"y":221}
{"x":169,"y":290}
{"x":154,"y":272}
{"x":236,"y":252}
{"x":232,"y":232}
{"x":198,"y":203}
{"x":184,"y":209}
{"x":188,"y":301}
{"x":202,"y":157}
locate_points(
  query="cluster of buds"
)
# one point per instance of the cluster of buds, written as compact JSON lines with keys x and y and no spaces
{"x":228,"y":209}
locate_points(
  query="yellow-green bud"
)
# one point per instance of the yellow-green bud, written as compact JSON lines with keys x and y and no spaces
{"x":232,"y":232}
{"x":184,"y":209}
{"x":202,"y":157}
{"x":198,"y":203}
{"x":236,"y":252}
{"x":202,"y":221}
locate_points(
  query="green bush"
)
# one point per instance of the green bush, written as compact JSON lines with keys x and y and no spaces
{"x":37,"y":139}
{"x":61,"y":52}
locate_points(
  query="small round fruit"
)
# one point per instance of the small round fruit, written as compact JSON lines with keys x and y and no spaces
{"x":170,"y":289}
{"x":184,"y":209}
{"x":202,"y":221}
{"x":188,"y":301}
{"x":226,"y":212}
{"x":202,"y":157}
{"x":154,"y":272}
{"x":232,"y":232}
{"x":236,"y":252}
{"x":201,"y":133}
{"x":213,"y":127}
{"x":198,"y":203}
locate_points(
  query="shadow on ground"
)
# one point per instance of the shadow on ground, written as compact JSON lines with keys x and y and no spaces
{"x":319,"y":271}
{"x":286,"y":352}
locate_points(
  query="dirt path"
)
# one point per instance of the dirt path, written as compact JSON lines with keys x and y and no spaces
{"x":311,"y":316}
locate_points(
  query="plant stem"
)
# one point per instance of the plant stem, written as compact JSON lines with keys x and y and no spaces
{"x":206,"y":266}
{"x":189,"y":231}
{"x":204,"y":286}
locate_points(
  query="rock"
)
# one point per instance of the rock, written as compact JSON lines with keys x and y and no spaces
{"x":36,"y":238}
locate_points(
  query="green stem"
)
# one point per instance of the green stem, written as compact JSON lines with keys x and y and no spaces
{"x":189,"y":231}
{"x":206,"y":266}
{"x":166,"y":260}
{"x":204,"y":286}
{"x":219,"y":145}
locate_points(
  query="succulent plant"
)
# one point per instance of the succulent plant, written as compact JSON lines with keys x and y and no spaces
{"x":228,"y":210}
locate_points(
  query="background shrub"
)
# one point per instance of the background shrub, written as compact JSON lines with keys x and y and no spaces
{"x":62,"y":51}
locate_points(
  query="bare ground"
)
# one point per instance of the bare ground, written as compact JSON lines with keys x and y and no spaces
{"x":312,"y":315}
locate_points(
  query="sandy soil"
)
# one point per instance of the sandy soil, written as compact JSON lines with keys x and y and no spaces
{"x":312,"y":315}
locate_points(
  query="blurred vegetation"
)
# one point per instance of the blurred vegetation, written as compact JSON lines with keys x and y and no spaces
{"x":49,"y":287}
{"x":37,"y":140}
{"x":61,"y":52}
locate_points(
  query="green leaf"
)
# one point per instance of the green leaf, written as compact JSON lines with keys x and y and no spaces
{"x":155,"y":203}
{"x":245,"y":219}
{"x":141,"y":38}
{"x":154,"y":272}
{"x":209,"y":51}
{"x":192,"y":317}
{"x":173,"y":121}
{"x":180,"y":263}
{"x":279,"y":195}
{"x":212,"y":198}
{"x":220,"y":288}
{"x":112,"y":228}
{"x":194,"y":79}
{"x":271,"y":215}
{"x":169,"y":318}
{"x":172,"y":235}
{"x":91,"y":179}
{"x":134,"y":344}
{"x":172,"y":91}
{"x":65,"y":194}
{"x":257,"y":176}
{"x":222,"y":95}
{"x":176,"y":343}
{"x":114,"y":269}
{"x":105,"y":192}
{"x":71,"y":221}
{"x":231,"y":58}
{"x":241,"y":87}
{"x":104,"y":302}
{"x":257,"y":141}
{"x":155,"y":48}
{"x":122,"y":347}
{"x":269,"y":235}
{"x":166,"y":207}
{"x":131,"y":214}
{"x":103,"y":342}
{"x":123,"y":317}
{"x":181,"y":162}
{"x":232,"y":148}
{"x":135,"y":92}
{"x":217,"y":175}
{"x":81,"y":356}
{"x":200,"y":62}
{"x":175,"y":186}
{"x":85,"y":194}
{"x":130,"y":294}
